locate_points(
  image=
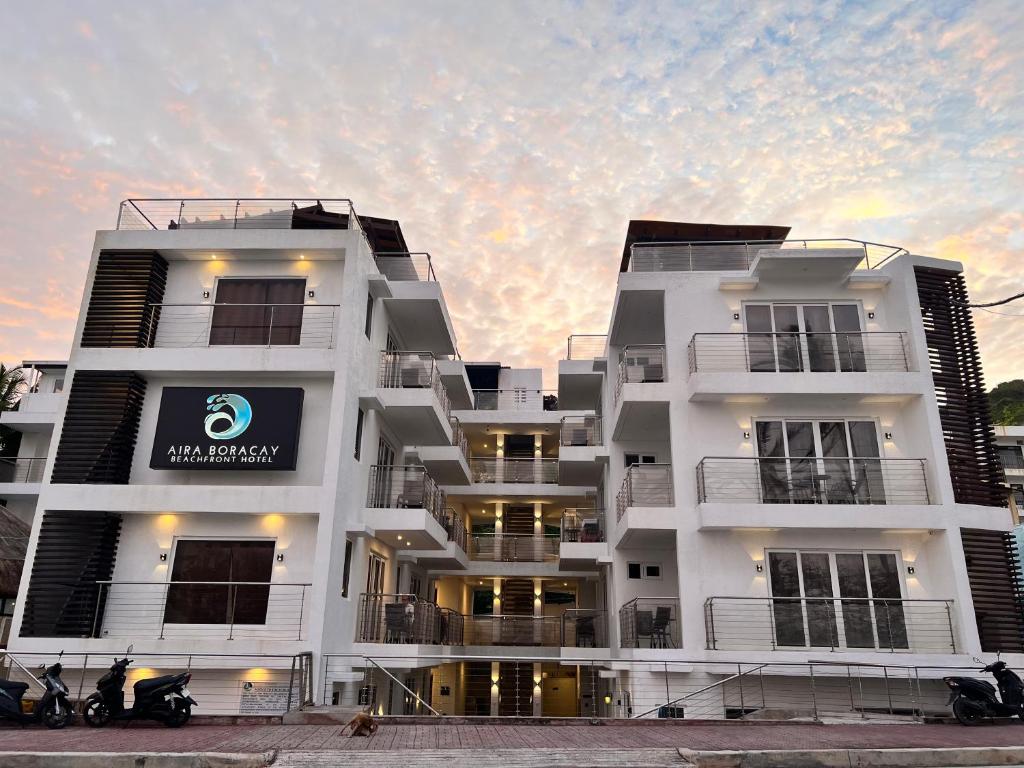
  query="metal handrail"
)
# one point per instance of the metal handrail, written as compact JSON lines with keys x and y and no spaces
{"x":408,"y":369}
{"x":663,"y":630}
{"x":582,"y":346}
{"x":395,"y":486}
{"x":654,"y":366}
{"x":193,"y":325}
{"x":500,"y":470}
{"x":798,"y":352}
{"x":705,"y":689}
{"x":577,"y":617}
{"x":515,"y":399}
{"x":573,"y":525}
{"x":580,"y":431}
{"x":408,"y":269}
{"x":514,"y":547}
{"x":739,"y":254}
{"x":22,"y":469}
{"x":654,"y":490}
{"x":223,"y":212}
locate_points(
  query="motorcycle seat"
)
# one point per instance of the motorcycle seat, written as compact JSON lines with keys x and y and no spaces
{"x":13,"y":687}
{"x":154,"y":682}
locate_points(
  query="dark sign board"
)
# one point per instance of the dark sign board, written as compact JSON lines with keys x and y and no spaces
{"x":227,"y":428}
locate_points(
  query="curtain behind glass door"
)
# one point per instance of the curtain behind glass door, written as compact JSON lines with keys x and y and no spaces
{"x":787,"y":337}
{"x":818,"y":326}
{"x":787,"y":614}
{"x":838,"y":476}
{"x":849,"y":339}
{"x":858,"y":629}
{"x":883,"y":573}
{"x":760,"y":342}
{"x":821,"y":616}
{"x":869,"y":485}
{"x":771,"y":448}
{"x":803,"y":465}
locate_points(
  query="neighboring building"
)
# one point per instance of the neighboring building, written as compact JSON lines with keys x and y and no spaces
{"x":272,"y":458}
{"x":1010,"y":444}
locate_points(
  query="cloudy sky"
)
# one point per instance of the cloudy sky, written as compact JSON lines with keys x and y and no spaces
{"x":515,"y":140}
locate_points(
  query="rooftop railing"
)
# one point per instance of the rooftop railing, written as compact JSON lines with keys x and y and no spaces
{"x":861,"y":351}
{"x":236,"y":213}
{"x":581,"y":431}
{"x":198,"y":610}
{"x":22,"y":470}
{"x":800,"y":480}
{"x":412,"y":370}
{"x":738,"y":255}
{"x":493,"y":470}
{"x":241,"y":325}
{"x":587,"y":346}
{"x":650,"y":622}
{"x":640,"y":364}
{"x":514,"y":548}
{"x":405,"y":267}
{"x":405,"y":487}
{"x":645,"y":485}
{"x":838,"y":624}
{"x":521,"y":399}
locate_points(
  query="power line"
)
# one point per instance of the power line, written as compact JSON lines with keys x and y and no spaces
{"x":995,"y":303}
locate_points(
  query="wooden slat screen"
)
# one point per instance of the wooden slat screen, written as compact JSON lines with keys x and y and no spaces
{"x":74,"y":551}
{"x":97,"y":441}
{"x":960,"y":388}
{"x":124,"y":290}
{"x":995,"y":588}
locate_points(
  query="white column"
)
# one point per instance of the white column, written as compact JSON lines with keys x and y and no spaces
{"x":538,"y":691}
{"x":499,"y":528}
{"x":499,"y":452}
{"x":496,"y":611}
{"x":538,"y":454}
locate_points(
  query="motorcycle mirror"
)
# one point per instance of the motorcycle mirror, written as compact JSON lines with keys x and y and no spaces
{"x":129,"y":651}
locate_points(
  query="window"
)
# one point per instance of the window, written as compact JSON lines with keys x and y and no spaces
{"x":250,"y":311}
{"x":347,"y":568}
{"x":369,"y":315}
{"x":837,"y":600}
{"x":819,"y":462}
{"x":1018,"y":495}
{"x":219,"y":561}
{"x":58,"y":385}
{"x":651,"y":571}
{"x":804,"y":337}
{"x":375,"y":575}
{"x":640,"y":458}
{"x":359,"y":432}
{"x":1011,"y":457}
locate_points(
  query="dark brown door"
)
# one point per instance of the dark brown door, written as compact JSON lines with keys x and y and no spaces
{"x":267,"y":311}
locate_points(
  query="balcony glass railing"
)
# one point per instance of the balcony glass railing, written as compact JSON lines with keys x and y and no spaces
{"x":739,"y":255}
{"x":406,"y":267}
{"x":22,"y":470}
{"x":645,"y":485}
{"x":405,"y":487}
{"x":581,"y":431}
{"x":650,"y":622}
{"x":236,"y":213}
{"x":492,"y":470}
{"x":514,"y":548}
{"x":798,"y":352}
{"x":849,"y":623}
{"x":587,"y":346}
{"x":583,"y":526}
{"x":793,"y":480}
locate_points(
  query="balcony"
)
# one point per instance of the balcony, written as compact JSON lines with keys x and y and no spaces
{"x":310,"y":326}
{"x":406,"y":509}
{"x":537,"y":631}
{"x":413,"y":398}
{"x":650,"y":622}
{"x":582,"y":453}
{"x":21,"y":476}
{"x":584,"y":628}
{"x":514,"y":548}
{"x":514,"y":471}
{"x":825,"y":623}
{"x":403,"y":618}
{"x":754,"y":490}
{"x":447,"y":464}
{"x":641,"y":394}
{"x":34,"y":412}
{"x":584,"y":544}
{"x":875,"y":363}
{"x":405,"y":267}
{"x":202,"y":610}
{"x":416,"y":307}
{"x":744,"y":256}
{"x":455,"y":554}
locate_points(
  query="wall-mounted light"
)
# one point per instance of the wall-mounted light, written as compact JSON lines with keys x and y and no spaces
{"x":607,"y":699}
{"x":311,"y":293}
{"x":746,"y":434}
{"x":163,"y":557}
{"x":759,"y":567}
{"x":206,"y":294}
{"x":735,"y":315}
{"x":910,"y":570}
{"x":887,"y":435}
{"x":280,"y":557}
{"x":871,"y":315}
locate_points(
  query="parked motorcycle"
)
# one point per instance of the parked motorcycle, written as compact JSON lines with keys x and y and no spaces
{"x":976,"y":700}
{"x":164,"y":699}
{"x":52,"y":710}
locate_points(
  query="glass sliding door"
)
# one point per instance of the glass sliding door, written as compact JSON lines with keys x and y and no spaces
{"x":760,"y":341}
{"x":771,"y":450}
{"x":818,"y":327}
{"x":819,"y":337}
{"x":849,"y":337}
{"x":837,"y":600}
{"x":869,"y":487}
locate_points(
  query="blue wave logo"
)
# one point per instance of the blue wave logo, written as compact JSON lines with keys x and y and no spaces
{"x":237,"y":419}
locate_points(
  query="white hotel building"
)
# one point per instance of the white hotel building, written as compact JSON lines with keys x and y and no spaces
{"x":270,"y":464}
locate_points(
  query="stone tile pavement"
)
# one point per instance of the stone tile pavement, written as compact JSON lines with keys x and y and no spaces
{"x":313,"y":738}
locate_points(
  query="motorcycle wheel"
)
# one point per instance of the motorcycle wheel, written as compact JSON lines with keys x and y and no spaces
{"x":966,"y":715}
{"x":52,"y":719}
{"x":180,"y":713}
{"x":96,"y":713}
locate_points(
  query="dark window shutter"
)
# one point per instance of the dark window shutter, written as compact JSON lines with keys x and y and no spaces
{"x":992,"y":569}
{"x":122,"y":306}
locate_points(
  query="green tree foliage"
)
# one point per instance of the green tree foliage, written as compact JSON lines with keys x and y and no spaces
{"x":1007,"y":402}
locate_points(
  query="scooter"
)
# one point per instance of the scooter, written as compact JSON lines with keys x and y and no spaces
{"x":164,"y":699}
{"x":975,"y":700}
{"x":53,"y":710}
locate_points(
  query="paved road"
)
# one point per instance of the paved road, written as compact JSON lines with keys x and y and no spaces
{"x":314,"y":738}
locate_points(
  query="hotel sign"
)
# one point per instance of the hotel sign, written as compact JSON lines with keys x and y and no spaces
{"x":228,"y":428}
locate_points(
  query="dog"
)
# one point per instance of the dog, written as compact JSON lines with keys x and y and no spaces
{"x":362,"y":725}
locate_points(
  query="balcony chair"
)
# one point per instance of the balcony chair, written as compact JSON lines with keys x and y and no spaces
{"x":416,"y":376}
{"x":397,"y":623}
{"x":591,"y":531}
{"x":586,"y":632}
{"x":660,"y":636}
{"x":411,"y":496}
{"x":644,"y":627}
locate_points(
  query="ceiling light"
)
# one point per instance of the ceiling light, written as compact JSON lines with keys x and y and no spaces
{"x":399,"y":537}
